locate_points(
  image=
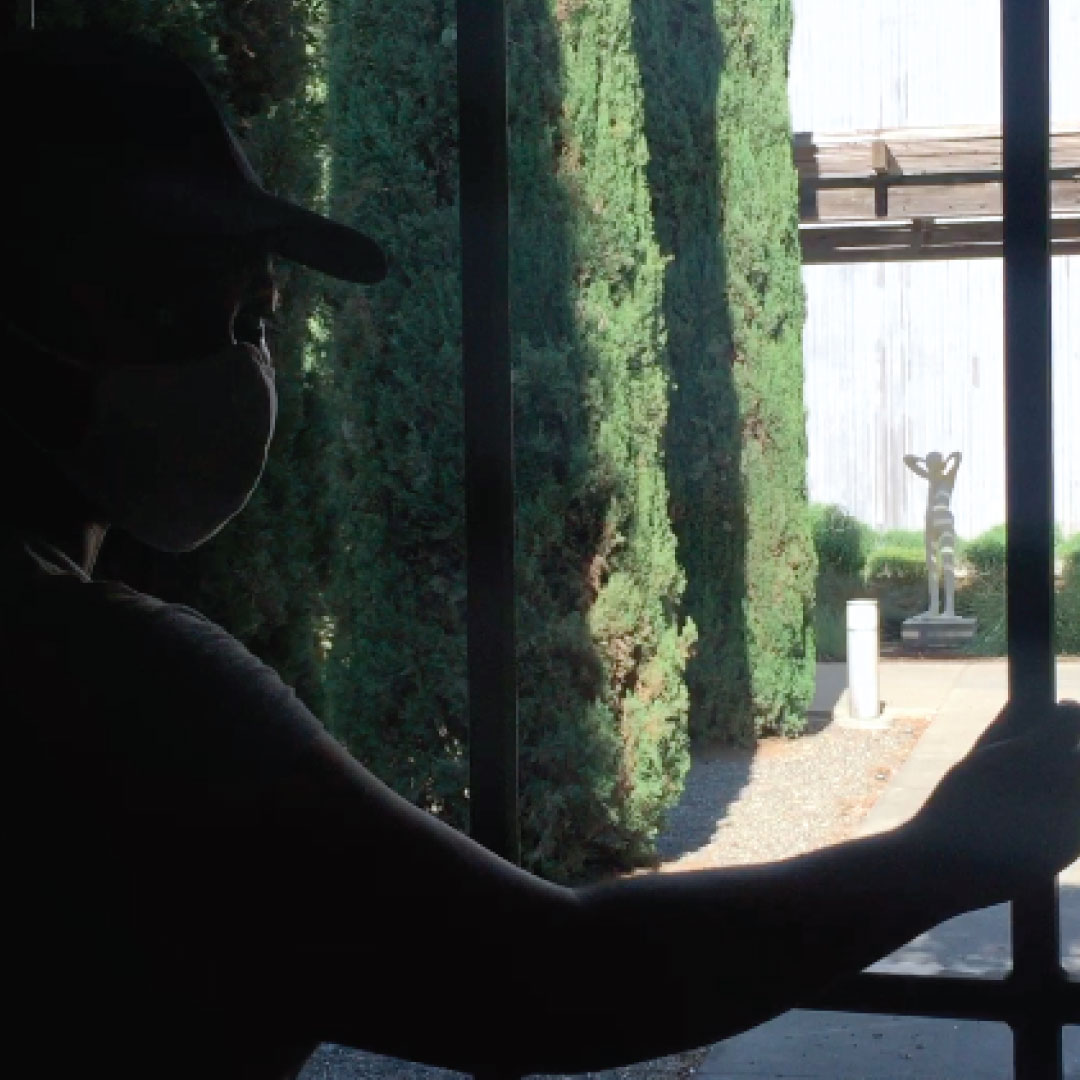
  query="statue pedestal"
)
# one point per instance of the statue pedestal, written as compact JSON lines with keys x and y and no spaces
{"x":938,"y":631}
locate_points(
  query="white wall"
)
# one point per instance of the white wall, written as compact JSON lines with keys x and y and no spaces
{"x":907,"y":357}
{"x":865,"y":64}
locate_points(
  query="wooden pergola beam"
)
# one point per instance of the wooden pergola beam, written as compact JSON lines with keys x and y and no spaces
{"x":919,"y":150}
{"x":912,"y":194}
{"x":921,"y":239}
{"x":971,"y":197}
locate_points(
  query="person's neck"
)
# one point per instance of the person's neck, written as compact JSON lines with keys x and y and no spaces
{"x":41,"y":504}
{"x":81,"y":545}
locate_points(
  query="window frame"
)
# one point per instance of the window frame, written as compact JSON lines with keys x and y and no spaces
{"x":1037,"y":999}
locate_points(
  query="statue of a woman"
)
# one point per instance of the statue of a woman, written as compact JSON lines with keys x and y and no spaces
{"x":940,"y":530}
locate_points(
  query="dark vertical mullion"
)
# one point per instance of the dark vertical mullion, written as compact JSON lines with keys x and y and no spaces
{"x":489,"y":459}
{"x":489,"y":475}
{"x":1029,"y":454}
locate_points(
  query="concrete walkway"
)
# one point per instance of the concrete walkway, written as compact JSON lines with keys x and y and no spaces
{"x":962,"y":697}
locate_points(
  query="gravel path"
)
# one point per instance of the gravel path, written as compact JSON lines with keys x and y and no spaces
{"x":740,"y":806}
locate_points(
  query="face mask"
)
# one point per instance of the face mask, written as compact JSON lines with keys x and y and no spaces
{"x":170,"y":453}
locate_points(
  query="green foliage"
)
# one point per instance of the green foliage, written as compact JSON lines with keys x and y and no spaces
{"x":984,"y":596}
{"x":1067,"y":548}
{"x":830,"y":629}
{"x":655,"y":258}
{"x":985,"y":554}
{"x":602,"y":699}
{"x":396,"y":670}
{"x":725,"y":198}
{"x":987,"y":605}
{"x":896,"y":564}
{"x":907,"y":539}
{"x":895,"y":575}
{"x":759,"y":197}
{"x":841,"y":544}
{"x":834,"y":590}
{"x":1067,"y":601}
{"x":840,"y":540}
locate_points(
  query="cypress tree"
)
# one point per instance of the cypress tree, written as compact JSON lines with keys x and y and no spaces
{"x":602,"y":698}
{"x":397,"y":668}
{"x":725,"y":195}
{"x":759,"y":188}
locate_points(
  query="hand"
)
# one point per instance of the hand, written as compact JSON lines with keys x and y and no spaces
{"x":1008,"y":814}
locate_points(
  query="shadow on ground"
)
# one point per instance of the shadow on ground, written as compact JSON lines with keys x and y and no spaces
{"x":718,"y":776}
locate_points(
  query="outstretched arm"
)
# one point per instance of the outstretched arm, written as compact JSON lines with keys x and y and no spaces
{"x":342,"y":911}
{"x":686,"y":959}
{"x":917,"y":465}
{"x":952,"y":463}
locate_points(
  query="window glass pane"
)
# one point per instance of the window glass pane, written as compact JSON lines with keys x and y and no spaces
{"x":1070,"y":920}
{"x":976,"y":944}
{"x":1070,"y":1044}
{"x":903,"y":355}
{"x":1065,"y":284}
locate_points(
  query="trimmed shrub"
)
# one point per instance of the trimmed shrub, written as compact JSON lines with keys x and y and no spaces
{"x":908,"y":539}
{"x":896,"y":578}
{"x":981,"y":595}
{"x":841,"y":541}
{"x":833,"y":592}
{"x":1068,"y":548}
{"x":985,"y":554}
{"x":900,"y":565}
{"x":1067,"y":601}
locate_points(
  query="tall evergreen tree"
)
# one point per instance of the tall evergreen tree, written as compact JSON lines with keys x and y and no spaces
{"x":603,"y":698}
{"x":603,"y":703}
{"x":397,"y":668}
{"x":725,"y":194}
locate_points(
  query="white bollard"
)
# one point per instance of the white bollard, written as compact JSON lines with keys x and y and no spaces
{"x":864,"y":699}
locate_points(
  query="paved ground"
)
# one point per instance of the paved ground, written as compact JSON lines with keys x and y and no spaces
{"x":963,"y":697}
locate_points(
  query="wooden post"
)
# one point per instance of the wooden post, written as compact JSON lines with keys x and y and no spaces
{"x":884,"y":165}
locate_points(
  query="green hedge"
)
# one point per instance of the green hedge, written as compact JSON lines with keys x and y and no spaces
{"x":908,"y":539}
{"x":985,"y":554}
{"x":840,"y":540}
{"x":1067,"y":609}
{"x":896,"y":564}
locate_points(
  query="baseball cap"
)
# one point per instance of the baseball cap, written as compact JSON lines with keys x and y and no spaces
{"x":107,"y":131}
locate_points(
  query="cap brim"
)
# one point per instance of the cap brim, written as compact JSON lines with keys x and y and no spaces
{"x":187,"y":206}
{"x":97,"y":159}
{"x":332,"y":248}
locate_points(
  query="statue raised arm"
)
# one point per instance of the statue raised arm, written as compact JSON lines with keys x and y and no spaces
{"x":916,"y":464}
